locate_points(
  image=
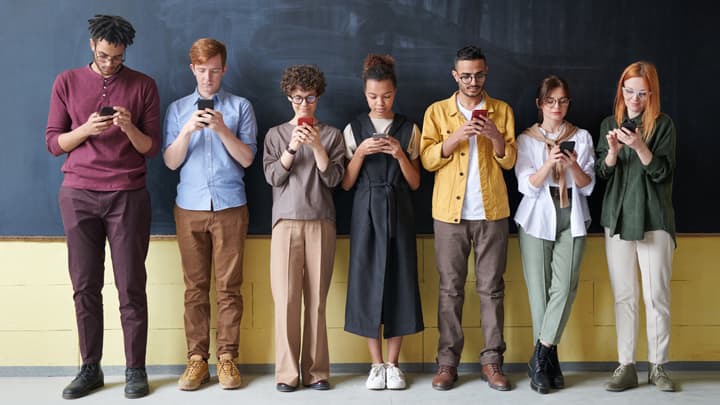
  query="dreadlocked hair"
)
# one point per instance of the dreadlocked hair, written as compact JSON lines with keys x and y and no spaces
{"x":111,"y":28}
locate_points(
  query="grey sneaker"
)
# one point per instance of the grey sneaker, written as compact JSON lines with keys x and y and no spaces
{"x":659,"y":378}
{"x":624,"y":377}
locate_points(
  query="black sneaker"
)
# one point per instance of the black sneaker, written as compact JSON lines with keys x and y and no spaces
{"x":88,"y":379}
{"x":136,"y":383}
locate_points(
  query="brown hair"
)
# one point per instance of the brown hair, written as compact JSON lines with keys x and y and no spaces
{"x":648,"y":72}
{"x":379,"y":67}
{"x":304,"y":77}
{"x":547,"y":85}
{"x":205,"y":48}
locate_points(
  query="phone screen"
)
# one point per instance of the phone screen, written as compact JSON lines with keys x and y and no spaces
{"x":379,"y":135}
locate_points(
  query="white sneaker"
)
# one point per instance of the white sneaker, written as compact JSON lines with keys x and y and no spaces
{"x":376,"y":379}
{"x":395,"y":377}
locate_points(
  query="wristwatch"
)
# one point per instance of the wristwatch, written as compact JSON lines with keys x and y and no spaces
{"x":290,"y":150}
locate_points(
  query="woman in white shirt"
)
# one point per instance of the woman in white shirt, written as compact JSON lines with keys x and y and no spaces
{"x":555,"y":175}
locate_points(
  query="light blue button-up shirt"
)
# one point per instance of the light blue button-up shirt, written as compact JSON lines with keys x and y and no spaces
{"x":210,"y":178}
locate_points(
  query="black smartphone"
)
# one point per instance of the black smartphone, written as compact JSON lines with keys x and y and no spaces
{"x":203,"y":104}
{"x":567,"y":146}
{"x":107,"y":110}
{"x":630,"y":125}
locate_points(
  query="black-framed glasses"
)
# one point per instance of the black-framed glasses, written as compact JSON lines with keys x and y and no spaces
{"x":299,"y":99}
{"x":551,"y":101}
{"x":467,"y":78}
{"x":102,"y":56}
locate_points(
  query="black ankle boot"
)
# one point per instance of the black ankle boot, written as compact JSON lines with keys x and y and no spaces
{"x":88,"y":379}
{"x":537,"y":369}
{"x":136,"y":383}
{"x":554,"y":373}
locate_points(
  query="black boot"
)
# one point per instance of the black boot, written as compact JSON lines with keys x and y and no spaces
{"x":88,"y":379}
{"x":554,"y":373}
{"x":537,"y":369}
{"x":136,"y":383}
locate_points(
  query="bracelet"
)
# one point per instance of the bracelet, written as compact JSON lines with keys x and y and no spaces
{"x":290,"y":150}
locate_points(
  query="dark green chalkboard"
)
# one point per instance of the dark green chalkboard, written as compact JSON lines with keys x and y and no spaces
{"x":588,"y":43}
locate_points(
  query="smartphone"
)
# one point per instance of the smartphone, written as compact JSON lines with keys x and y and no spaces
{"x":479,"y":113}
{"x":567,"y":146}
{"x":630,"y":125}
{"x":305,"y":120}
{"x":107,"y":110}
{"x":203,"y":104}
{"x":379,"y":135}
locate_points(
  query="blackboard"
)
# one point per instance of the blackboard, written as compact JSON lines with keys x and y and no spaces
{"x":587,"y":43}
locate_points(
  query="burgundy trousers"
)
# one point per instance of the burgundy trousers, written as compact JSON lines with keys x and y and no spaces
{"x":123,"y":217}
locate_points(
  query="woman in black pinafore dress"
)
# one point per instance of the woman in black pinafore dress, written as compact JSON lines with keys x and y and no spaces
{"x":383,"y":149}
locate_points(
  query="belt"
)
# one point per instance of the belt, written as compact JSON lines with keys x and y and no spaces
{"x":555,"y":193}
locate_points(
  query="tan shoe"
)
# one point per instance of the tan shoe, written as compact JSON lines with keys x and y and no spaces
{"x":624,"y":377}
{"x":445,"y":378}
{"x":196,"y":374}
{"x":496,"y":379}
{"x":228,"y":373}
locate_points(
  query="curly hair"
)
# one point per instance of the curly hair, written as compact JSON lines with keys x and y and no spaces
{"x":303,"y":77}
{"x":111,"y":28}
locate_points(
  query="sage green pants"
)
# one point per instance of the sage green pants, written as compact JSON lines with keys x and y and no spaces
{"x":551,"y":270}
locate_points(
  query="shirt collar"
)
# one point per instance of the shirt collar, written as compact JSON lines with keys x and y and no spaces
{"x":453,"y":109}
{"x":218,"y":97}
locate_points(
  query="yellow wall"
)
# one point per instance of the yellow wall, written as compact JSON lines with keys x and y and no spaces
{"x":37,"y":323}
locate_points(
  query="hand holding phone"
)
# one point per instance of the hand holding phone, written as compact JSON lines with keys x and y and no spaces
{"x":305,"y":120}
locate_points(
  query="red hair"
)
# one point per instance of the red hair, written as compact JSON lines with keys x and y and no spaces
{"x":205,"y":48}
{"x":647,"y":72}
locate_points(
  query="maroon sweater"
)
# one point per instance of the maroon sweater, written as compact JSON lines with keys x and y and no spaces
{"x":106,"y":162}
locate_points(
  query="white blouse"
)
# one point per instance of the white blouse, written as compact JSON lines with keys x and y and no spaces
{"x":536,"y":212}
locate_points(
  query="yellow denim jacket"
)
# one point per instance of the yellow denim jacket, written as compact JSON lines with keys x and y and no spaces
{"x":442,"y":118}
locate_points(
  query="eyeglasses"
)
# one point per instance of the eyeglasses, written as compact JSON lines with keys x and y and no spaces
{"x":551,"y":101}
{"x":629,"y":93}
{"x":467,"y":77}
{"x":107,"y":58}
{"x":299,"y":99}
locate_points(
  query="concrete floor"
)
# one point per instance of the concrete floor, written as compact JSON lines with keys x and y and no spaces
{"x":696,"y":387}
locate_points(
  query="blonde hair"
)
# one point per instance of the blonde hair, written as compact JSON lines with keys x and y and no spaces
{"x":648,"y":72}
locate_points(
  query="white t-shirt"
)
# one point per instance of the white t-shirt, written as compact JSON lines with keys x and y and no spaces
{"x":473,"y":208}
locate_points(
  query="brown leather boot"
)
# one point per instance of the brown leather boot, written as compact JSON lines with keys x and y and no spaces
{"x":496,"y":379}
{"x":445,"y":378}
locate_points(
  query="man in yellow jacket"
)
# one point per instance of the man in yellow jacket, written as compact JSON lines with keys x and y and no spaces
{"x":467,"y":151}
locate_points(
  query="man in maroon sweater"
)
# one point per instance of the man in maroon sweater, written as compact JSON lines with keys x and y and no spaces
{"x":106,"y":118}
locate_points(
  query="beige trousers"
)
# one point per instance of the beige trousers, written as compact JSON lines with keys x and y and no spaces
{"x":653,"y":254}
{"x":301,"y":263}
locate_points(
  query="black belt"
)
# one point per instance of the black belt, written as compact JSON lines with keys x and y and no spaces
{"x":555,"y":193}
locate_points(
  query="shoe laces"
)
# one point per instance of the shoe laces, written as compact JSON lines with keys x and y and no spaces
{"x":86,"y":372}
{"x":228,"y":367}
{"x":194,"y":368}
{"x":133,"y":374}
{"x":445,"y":370}
{"x":376,"y":369}
{"x":659,"y":372}
{"x":619,"y":371}
{"x":495,"y":369}
{"x":394,"y":371}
